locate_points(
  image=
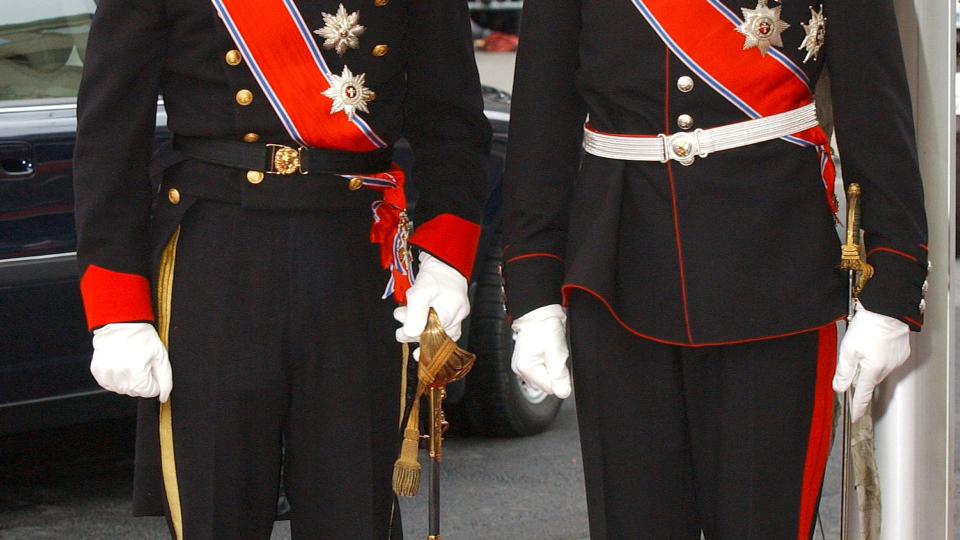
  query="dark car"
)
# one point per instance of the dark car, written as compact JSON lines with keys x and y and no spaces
{"x":44,"y":344}
{"x":497,"y":15}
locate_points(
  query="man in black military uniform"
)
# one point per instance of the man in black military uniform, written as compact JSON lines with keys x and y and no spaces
{"x":259,"y":242}
{"x":694,"y":246}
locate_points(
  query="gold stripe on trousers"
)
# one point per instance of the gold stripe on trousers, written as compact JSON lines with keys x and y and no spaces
{"x":168,"y":463}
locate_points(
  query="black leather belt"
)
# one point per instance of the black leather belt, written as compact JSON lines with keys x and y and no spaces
{"x":281,"y":159}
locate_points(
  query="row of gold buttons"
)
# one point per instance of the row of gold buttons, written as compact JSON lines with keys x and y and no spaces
{"x":244,"y":97}
{"x":382,"y":49}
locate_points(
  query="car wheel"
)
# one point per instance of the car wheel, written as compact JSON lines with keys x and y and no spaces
{"x":497,"y":401}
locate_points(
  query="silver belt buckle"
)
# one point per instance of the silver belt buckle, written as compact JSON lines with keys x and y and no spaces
{"x":681,"y":147}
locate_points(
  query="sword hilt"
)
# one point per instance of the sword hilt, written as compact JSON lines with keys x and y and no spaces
{"x":853,"y":256}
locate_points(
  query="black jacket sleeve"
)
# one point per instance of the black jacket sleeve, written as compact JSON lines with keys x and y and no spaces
{"x":546,"y":129}
{"x":449,"y":134}
{"x":116,"y":115}
{"x":874,"y":123}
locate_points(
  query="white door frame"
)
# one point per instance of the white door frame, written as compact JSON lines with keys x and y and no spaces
{"x":914,"y":429}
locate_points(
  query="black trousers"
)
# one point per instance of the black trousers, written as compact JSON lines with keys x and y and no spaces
{"x":728,"y":440}
{"x":283,"y":357}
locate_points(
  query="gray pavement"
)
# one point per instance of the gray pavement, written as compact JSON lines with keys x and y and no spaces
{"x":496,"y":69}
{"x":75,"y":484}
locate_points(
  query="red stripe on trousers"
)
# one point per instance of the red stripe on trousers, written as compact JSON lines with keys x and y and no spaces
{"x":818,"y":445}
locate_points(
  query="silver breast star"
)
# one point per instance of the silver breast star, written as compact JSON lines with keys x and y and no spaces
{"x":349,"y":93}
{"x":341,"y":31}
{"x":763,"y":27}
{"x":816,"y":31}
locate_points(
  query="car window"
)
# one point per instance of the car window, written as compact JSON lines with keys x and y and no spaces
{"x":42,"y":46}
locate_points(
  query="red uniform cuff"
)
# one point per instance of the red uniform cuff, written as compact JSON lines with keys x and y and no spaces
{"x":112,"y":297}
{"x":451,"y":239}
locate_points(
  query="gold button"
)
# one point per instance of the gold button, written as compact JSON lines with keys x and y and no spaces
{"x":251,"y":138}
{"x":254,"y":177}
{"x":685,"y":84}
{"x":244,"y":97}
{"x":381,"y":50}
{"x":173,"y":196}
{"x":685,"y":121}
{"x":233,"y":57}
{"x":380,"y":3}
{"x":355,"y":183}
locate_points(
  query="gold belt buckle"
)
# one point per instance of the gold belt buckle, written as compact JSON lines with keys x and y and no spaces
{"x":285,"y":160}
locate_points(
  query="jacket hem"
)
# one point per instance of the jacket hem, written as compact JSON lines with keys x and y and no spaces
{"x":568,"y":288}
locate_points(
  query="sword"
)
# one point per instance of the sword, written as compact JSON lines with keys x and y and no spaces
{"x":441,"y":362}
{"x":852,"y":259}
{"x":438,"y":424}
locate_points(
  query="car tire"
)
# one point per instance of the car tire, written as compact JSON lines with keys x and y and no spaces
{"x":497,"y":402}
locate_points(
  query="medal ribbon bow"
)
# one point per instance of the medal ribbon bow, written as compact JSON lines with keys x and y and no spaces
{"x":391,"y":230}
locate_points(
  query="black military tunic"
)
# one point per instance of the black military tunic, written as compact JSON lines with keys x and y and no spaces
{"x":738,"y":246}
{"x":276,"y":327}
{"x":703,"y":298}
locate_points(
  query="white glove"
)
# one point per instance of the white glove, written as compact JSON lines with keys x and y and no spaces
{"x":437,"y":286}
{"x":540,"y":350}
{"x":876,"y":344}
{"x":130,"y":359}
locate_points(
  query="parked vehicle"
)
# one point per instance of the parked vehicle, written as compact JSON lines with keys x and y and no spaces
{"x":497,"y":15}
{"x":44,"y":344}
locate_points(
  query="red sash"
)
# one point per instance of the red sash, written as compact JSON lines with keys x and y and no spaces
{"x":285,"y":60}
{"x":703,"y":35}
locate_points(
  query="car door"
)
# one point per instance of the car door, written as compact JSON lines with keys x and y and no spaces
{"x":44,"y":345}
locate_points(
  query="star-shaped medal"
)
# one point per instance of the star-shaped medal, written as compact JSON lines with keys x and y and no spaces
{"x":341,"y":31}
{"x":763,"y":27}
{"x":348,"y":93}
{"x":816,"y":31}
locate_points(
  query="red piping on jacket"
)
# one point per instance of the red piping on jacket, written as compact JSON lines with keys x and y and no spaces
{"x":566,"y":289}
{"x":673,"y":195}
{"x":532,"y":255}
{"x":910,"y":320}
{"x":894,"y":251}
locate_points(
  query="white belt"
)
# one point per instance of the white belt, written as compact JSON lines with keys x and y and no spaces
{"x":685,"y":146}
